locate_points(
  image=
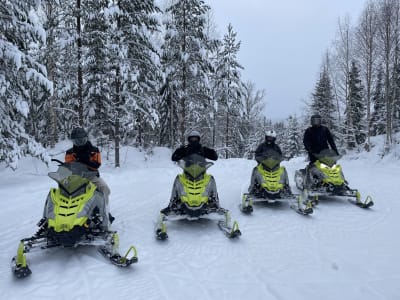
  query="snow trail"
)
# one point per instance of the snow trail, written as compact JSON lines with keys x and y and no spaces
{"x":339,"y":252}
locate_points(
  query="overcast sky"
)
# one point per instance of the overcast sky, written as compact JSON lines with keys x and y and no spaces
{"x":283,"y":43}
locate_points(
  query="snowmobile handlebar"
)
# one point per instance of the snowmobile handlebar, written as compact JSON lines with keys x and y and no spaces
{"x":59,"y":161}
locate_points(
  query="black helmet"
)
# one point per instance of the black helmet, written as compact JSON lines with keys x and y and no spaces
{"x":316,"y":120}
{"x":79,"y":136}
{"x":270,"y":136}
{"x":193,"y":137}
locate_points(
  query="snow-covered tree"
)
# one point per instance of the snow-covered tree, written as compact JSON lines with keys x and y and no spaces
{"x":378,"y":116}
{"x":20,"y":74}
{"x":185,"y":63}
{"x":355,"y":110}
{"x":229,"y":90}
{"x":322,"y":101}
{"x":292,"y":138}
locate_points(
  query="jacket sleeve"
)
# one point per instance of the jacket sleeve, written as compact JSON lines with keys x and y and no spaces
{"x":70,"y":157}
{"x":94,"y":159}
{"x":258,"y":152}
{"x":179,"y":153}
{"x":306,"y":140}
{"x":210,"y":153}
{"x":278,"y":149}
{"x":331,"y":141}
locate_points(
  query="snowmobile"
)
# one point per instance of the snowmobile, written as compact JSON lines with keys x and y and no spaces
{"x":75,"y":214}
{"x":195,"y":198}
{"x":271,"y":185}
{"x":325,"y":178}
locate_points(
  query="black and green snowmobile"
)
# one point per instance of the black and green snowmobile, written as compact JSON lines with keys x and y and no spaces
{"x":270,"y":183}
{"x":75,"y":214}
{"x":325,"y":178}
{"x":195,"y":197}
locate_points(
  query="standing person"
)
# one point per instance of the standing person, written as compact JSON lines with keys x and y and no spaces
{"x":260,"y":153}
{"x":193,"y":147}
{"x":317,"y":137}
{"x":84,"y":152}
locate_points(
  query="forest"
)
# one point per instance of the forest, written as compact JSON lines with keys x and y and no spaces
{"x":143,"y":73}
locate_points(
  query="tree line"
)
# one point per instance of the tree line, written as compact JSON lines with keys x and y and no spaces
{"x":133,"y":73}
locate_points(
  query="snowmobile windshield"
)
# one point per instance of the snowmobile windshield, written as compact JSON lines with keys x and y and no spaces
{"x":269,"y":158}
{"x":327,"y":157}
{"x":194,"y":165}
{"x":73,"y":168}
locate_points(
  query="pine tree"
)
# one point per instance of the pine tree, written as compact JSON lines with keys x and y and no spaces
{"x":378,"y":116}
{"x":132,"y":67}
{"x":97,"y":88}
{"x":292,"y":138}
{"x":355,"y":111}
{"x":229,"y":91}
{"x":20,"y":74}
{"x":185,"y":63}
{"x":323,"y":101}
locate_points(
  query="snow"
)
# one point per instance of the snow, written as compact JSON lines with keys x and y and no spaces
{"x":339,"y":252}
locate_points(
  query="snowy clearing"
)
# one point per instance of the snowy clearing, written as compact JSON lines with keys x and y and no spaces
{"x":339,"y":252}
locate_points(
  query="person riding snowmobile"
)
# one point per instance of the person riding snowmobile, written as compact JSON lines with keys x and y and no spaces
{"x":260,"y":153}
{"x":84,"y":152}
{"x":317,"y":137}
{"x":193,"y":147}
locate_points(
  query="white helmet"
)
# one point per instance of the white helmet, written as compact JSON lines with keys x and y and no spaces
{"x":270,"y":136}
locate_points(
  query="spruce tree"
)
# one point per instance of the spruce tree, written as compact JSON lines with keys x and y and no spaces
{"x":355,"y":111}
{"x":378,"y":116}
{"x":20,"y":76}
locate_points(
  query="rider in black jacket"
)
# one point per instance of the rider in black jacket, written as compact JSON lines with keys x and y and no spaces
{"x":261,"y":151}
{"x":269,"y":143}
{"x":317,"y":137}
{"x":194,"y":147}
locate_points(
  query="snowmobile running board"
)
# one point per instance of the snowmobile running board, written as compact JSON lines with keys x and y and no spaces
{"x":367,"y":203}
{"x":231,"y":231}
{"x":107,"y":246}
{"x":296,"y":204}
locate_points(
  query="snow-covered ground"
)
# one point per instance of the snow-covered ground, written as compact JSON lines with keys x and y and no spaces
{"x":339,"y":252}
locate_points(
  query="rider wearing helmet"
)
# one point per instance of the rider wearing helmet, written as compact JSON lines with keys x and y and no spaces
{"x":194,"y":147}
{"x":317,"y":137}
{"x":269,"y":143}
{"x":84,"y":152}
{"x":262,"y":149}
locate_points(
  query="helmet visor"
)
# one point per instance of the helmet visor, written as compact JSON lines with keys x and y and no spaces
{"x":316,"y":121}
{"x":79,"y":141}
{"x":193,"y":139}
{"x":270,"y":139}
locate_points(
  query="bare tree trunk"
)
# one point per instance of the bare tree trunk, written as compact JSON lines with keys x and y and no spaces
{"x":117,"y":116}
{"x":51,"y":67}
{"x":80,"y":75}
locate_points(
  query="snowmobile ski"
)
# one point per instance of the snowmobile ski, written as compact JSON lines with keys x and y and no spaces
{"x":298,"y":207}
{"x":230,"y":230}
{"x":118,"y":260}
{"x":366,"y":204}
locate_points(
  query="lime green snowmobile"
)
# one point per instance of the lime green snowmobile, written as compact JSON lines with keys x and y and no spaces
{"x":325,"y":178}
{"x":194,"y":197}
{"x":270,"y":183}
{"x":75,"y":214}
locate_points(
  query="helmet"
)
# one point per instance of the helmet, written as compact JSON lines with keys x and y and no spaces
{"x":270,"y":136}
{"x":79,"y":136}
{"x":316,"y":120}
{"x":193,"y":137}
